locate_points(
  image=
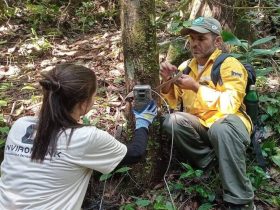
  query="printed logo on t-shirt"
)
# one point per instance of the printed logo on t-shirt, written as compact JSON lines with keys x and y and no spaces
{"x":25,"y":151}
{"x":28,"y":137}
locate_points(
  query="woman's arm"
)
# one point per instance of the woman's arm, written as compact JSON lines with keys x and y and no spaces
{"x":136,"y":149}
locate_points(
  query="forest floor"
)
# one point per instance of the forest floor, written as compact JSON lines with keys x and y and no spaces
{"x":24,"y":55}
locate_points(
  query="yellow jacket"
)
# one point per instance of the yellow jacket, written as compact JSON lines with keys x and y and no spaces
{"x":212,"y":102}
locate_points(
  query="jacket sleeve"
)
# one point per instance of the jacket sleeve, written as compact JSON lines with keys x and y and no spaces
{"x":228,"y":96}
{"x":172,"y":97}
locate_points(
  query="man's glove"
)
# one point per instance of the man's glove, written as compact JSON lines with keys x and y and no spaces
{"x":146,"y":117}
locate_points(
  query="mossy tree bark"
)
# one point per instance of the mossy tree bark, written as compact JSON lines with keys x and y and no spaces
{"x":139,"y":42}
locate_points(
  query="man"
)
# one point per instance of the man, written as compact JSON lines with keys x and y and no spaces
{"x":212,"y":127}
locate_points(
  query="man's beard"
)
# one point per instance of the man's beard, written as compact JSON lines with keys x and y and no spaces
{"x":205,"y":55}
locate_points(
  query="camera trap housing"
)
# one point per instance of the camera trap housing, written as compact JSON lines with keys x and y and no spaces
{"x":142,"y":97}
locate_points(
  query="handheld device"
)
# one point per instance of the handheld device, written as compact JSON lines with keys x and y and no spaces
{"x":142,"y":96}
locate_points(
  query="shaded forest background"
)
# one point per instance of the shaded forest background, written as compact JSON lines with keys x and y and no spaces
{"x":36,"y":35}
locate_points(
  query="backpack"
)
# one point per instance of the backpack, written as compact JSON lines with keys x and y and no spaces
{"x":251,"y":80}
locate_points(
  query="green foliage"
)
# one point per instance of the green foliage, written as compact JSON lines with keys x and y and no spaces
{"x":122,"y":170}
{"x":41,"y":13}
{"x":203,"y":190}
{"x":271,"y":151}
{"x":129,"y":206}
{"x":258,"y":177}
{"x":190,"y":173}
{"x":85,"y":17}
{"x":40,"y":43}
{"x":206,"y":206}
{"x":4,"y":130}
{"x":264,"y":189}
{"x":249,"y":52}
{"x":142,"y":202}
{"x":158,"y":203}
{"x":161,"y":203}
{"x":5,"y":86}
{"x":177,"y":18}
{"x":271,"y":107}
{"x":8,"y":12}
{"x":177,"y":24}
{"x":90,"y":13}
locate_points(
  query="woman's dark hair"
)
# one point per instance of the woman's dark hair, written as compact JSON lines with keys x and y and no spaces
{"x":63,"y":87}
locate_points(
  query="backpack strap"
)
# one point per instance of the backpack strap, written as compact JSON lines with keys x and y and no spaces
{"x":187,"y":70}
{"x":215,"y":72}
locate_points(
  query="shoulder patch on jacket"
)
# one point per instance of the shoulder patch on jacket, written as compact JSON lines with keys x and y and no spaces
{"x":236,"y":74}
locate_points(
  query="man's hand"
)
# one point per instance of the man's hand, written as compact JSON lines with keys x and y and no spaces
{"x":187,"y":82}
{"x":167,"y":70}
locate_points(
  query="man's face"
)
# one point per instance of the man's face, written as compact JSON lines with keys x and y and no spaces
{"x":202,"y":45}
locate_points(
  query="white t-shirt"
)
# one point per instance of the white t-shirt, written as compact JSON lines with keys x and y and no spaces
{"x":200,"y":68}
{"x":59,"y":183}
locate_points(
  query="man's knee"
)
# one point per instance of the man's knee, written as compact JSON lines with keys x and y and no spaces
{"x":220,"y":133}
{"x":174,"y":121}
{"x":168,"y":123}
{"x":215,"y":131}
{"x":227,"y":130}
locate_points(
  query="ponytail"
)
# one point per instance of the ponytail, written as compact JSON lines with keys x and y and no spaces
{"x":63,"y":87}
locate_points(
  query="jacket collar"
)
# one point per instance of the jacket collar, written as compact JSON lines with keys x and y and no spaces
{"x":212,"y":58}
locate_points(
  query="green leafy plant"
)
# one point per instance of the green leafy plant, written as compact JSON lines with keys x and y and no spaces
{"x":159,"y":203}
{"x":264,"y":189}
{"x":4,"y":130}
{"x":41,"y":13}
{"x":190,"y":172}
{"x":199,"y":188}
{"x":122,"y":170}
{"x":177,"y":24}
{"x":271,"y":108}
{"x":40,"y":43}
{"x":84,"y":14}
{"x":250,"y":52}
{"x":271,"y":151}
{"x":253,"y":53}
{"x":258,"y":177}
{"x":206,"y":206}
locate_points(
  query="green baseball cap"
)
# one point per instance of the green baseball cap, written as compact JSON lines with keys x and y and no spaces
{"x":204,"y":25}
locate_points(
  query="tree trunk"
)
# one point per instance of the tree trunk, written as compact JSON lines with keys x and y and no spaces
{"x":139,"y":42}
{"x":141,"y":62}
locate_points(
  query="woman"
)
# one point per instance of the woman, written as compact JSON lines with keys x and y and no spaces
{"x":49,"y":159}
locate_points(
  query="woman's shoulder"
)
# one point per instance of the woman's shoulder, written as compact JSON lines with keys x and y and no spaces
{"x":26,"y":120}
{"x":89,"y":130}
